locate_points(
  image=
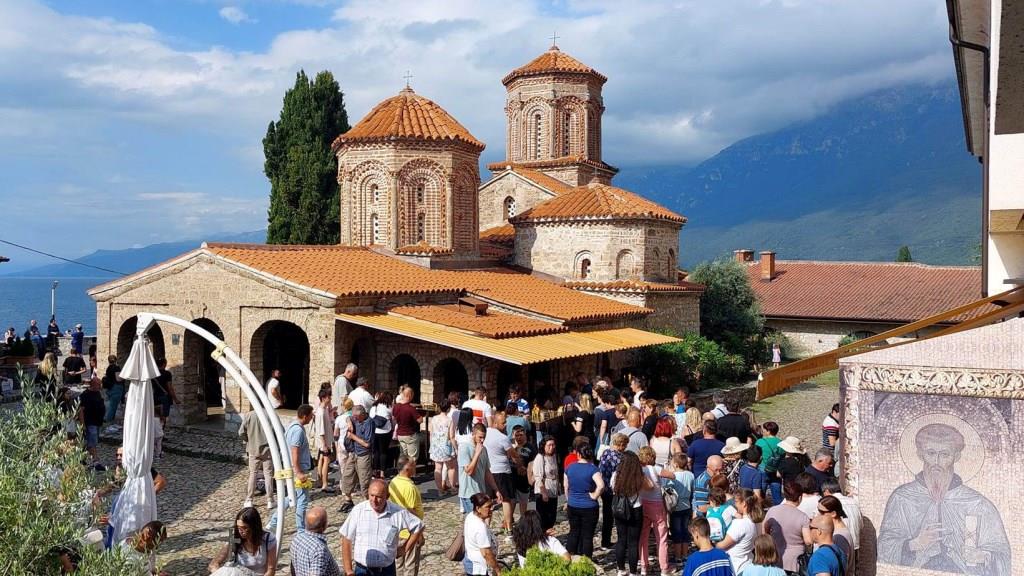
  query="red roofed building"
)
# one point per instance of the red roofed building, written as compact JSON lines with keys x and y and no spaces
{"x":817,"y":303}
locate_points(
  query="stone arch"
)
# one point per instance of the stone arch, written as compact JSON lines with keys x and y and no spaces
{"x":404,"y":369}
{"x":369,"y":179}
{"x":671,"y":260}
{"x":279,"y":344}
{"x":583,"y":265}
{"x":199,"y":371}
{"x":450,"y":375}
{"x":625,"y":265}
{"x":126,"y":336}
{"x":422,"y":189}
{"x":508,"y":207}
{"x":535,"y":126}
{"x":572,"y":126}
{"x":655,"y":267}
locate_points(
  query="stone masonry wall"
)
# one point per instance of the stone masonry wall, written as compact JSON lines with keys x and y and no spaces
{"x":493,"y":194}
{"x":810,"y":337}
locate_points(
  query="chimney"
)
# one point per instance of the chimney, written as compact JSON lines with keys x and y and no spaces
{"x":767,"y":266}
{"x":743,"y":256}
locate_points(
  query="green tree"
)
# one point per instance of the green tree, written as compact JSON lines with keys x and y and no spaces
{"x":729,"y":311}
{"x":904,"y":254}
{"x":693,"y":361}
{"x":302,"y":169}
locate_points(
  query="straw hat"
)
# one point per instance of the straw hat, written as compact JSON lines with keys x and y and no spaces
{"x":733,"y":446}
{"x":793,"y":445}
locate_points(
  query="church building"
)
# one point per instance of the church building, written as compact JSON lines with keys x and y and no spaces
{"x":544,"y":271}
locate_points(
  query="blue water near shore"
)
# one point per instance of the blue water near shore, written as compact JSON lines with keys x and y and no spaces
{"x":22,"y":299}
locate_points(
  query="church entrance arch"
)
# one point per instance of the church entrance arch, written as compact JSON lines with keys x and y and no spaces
{"x":126,"y":336}
{"x":200,"y":371}
{"x":450,"y":376}
{"x":405,"y":370}
{"x":283,"y":346}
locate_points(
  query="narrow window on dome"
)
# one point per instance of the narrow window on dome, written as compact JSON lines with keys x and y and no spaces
{"x":375,"y":222}
{"x":510,"y":207}
{"x":536,"y":136}
{"x":421,"y":228}
{"x":376,"y":192}
{"x":567,"y":134}
{"x":584,"y":268}
{"x":419,"y":192}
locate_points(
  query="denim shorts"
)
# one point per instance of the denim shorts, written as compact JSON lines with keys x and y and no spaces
{"x":92,"y":436}
{"x":679,"y":527}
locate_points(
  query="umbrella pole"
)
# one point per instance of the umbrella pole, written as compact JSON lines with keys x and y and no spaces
{"x":257,"y":397}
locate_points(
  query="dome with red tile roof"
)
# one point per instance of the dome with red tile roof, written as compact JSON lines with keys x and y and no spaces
{"x":597,"y":201}
{"x":408,"y":116}
{"x":552,"y":62}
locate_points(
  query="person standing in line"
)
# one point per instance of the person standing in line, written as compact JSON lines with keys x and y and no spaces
{"x":163,"y":391}
{"x":442,"y":450}
{"x":274,"y":389}
{"x":74,"y":368}
{"x":78,"y":339}
{"x":482,"y":411}
{"x":309,"y":551}
{"x":701,"y":449}
{"x":608,"y":464}
{"x":114,"y":385}
{"x":706,"y":560}
{"x":370,"y":535}
{"x":820,"y":468}
{"x":634,"y":435}
{"x":605,"y":420}
{"x":475,"y":469}
{"x":502,"y":456}
{"x":702,"y":485}
{"x":766,"y":559}
{"x":771,"y":455}
{"x":655,"y":519}
{"x":831,"y":507}
{"x":739,"y":538}
{"x":789,"y":528}
{"x":380,"y":413}
{"x":679,"y":518}
{"x":827,"y":559}
{"x":323,"y":432}
{"x":92,"y":410}
{"x":359,"y":444}
{"x":583,"y":488}
{"x":361,"y":394}
{"x":854,"y":520}
{"x":627,"y":483}
{"x":298,"y":445}
{"x":53,"y":336}
{"x":257,"y":450}
{"x":545,"y":482}
{"x":344,"y":384}
{"x":520,"y":468}
{"x":407,"y":425}
{"x":403,"y":492}
{"x":341,"y":424}
{"x":481,"y":557}
{"x":750,"y":475}
{"x":830,"y":431}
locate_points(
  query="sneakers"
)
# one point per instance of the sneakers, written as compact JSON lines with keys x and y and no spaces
{"x":247,"y":504}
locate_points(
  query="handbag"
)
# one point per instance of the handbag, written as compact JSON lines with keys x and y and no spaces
{"x":622,"y":507}
{"x":802,"y":562}
{"x":670,"y":496}
{"x":457,"y":549}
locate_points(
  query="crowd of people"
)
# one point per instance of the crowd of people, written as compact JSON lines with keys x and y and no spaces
{"x":660,"y":485}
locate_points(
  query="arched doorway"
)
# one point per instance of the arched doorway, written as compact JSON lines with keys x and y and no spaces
{"x":126,"y":336}
{"x":405,"y":370}
{"x":508,"y":375}
{"x":283,"y":346}
{"x":450,"y":376}
{"x":200,"y":372}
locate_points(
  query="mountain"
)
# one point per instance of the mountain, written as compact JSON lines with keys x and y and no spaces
{"x":856,"y":183}
{"x":131,"y":259}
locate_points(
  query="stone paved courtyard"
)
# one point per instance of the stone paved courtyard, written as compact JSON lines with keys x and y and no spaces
{"x":204,"y":494}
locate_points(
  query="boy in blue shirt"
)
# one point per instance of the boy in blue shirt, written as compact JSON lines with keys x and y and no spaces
{"x":707,"y":560}
{"x":751,"y":476}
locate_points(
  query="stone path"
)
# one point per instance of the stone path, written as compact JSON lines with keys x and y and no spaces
{"x":206,"y":488}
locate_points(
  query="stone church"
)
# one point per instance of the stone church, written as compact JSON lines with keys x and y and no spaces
{"x":543,"y":271}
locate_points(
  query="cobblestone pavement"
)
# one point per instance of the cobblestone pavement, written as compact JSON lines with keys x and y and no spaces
{"x":206,"y":488}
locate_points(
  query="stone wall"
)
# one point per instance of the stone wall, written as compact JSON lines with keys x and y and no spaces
{"x":810,"y":337}
{"x":492,"y":197}
{"x":678,"y":312}
{"x":621,"y":249}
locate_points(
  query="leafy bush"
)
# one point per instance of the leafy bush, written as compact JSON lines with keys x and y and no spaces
{"x":46,"y":495}
{"x":729,"y":311}
{"x":543,"y":563}
{"x":694,"y":361}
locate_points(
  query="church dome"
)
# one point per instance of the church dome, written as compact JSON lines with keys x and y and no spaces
{"x":552,"y":62}
{"x":408,"y":116}
{"x":596,"y":201}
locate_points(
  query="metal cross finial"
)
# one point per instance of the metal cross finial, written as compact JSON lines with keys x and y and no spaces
{"x":408,"y":76}
{"x":554,"y":39}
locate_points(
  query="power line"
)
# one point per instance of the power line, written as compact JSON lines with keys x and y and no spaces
{"x":62,"y":258}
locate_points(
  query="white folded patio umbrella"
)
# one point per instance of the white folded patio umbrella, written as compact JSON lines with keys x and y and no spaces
{"x":136,"y":504}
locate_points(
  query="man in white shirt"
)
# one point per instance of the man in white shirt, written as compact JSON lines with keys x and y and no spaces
{"x":343,"y":385}
{"x":361,"y":396}
{"x":502,"y":455}
{"x":274,"y":389}
{"x":369,"y":536}
{"x":482,"y":411}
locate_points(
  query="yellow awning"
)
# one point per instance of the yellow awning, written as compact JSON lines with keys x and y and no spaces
{"x":522,"y":350}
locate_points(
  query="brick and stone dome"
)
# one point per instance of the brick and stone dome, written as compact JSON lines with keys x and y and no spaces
{"x":554,"y":61}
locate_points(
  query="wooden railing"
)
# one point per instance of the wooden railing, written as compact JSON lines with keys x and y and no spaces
{"x":996,"y":308}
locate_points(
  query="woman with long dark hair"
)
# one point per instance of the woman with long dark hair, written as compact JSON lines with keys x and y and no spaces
{"x":253,"y":548}
{"x":833,"y":508}
{"x":545,"y":482}
{"x":583,"y":487}
{"x":627,"y":482}
{"x":381,"y":413}
{"x":528,"y":533}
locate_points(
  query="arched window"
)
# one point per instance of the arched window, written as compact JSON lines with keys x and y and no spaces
{"x":656,"y":264}
{"x":419,"y":192}
{"x":625,"y":266}
{"x":567,"y":134}
{"x":510,"y":207}
{"x":536,"y":136}
{"x":421,"y":228}
{"x":584,"y":268}
{"x":375,"y":223}
{"x":671,"y":264}
{"x":375,"y":190}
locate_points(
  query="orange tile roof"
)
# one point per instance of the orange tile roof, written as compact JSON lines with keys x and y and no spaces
{"x":422,"y":248}
{"x":601,"y":201}
{"x":504,"y":234}
{"x":408,"y":115}
{"x":492,"y":325}
{"x":634,"y":286}
{"x":870,"y":291}
{"x":552,"y":61}
{"x":554,"y":163}
{"x":549,"y":183}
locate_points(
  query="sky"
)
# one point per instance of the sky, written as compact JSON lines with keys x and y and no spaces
{"x":129,"y":123}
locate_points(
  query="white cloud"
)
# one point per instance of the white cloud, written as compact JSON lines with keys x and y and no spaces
{"x":235,"y":15}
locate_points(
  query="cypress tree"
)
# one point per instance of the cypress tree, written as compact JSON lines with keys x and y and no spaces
{"x":903,"y":255}
{"x":299,"y":163}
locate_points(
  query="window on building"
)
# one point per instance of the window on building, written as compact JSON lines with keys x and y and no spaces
{"x":671,"y":264}
{"x":510,"y":207}
{"x":536,"y":136}
{"x":584,"y":268}
{"x":375,"y":191}
{"x":624,"y":266}
{"x":375,"y":223}
{"x":567,"y":134}
{"x":656,"y":268}
{"x":419,"y":192}
{"x":421,"y":228}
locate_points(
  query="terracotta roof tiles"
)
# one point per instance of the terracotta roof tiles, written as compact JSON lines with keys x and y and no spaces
{"x":492,"y":325}
{"x":870,"y":291}
{"x":552,"y":61}
{"x":598,"y":201}
{"x":554,"y":163}
{"x":408,"y":115}
{"x":634,"y":286}
{"x":504,"y":234}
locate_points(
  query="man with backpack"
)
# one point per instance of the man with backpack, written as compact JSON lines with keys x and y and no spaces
{"x":828,"y":559}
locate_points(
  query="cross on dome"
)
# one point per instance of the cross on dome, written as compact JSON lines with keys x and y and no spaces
{"x":408,"y":76}
{"x":554,"y":40}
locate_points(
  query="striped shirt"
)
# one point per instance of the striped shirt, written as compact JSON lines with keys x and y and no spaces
{"x":829,"y":429}
{"x":701,"y":490}
{"x":714,"y":562}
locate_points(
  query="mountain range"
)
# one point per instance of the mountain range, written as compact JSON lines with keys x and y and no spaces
{"x":855,"y":183}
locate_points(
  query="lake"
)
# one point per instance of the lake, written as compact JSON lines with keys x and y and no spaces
{"x":22,"y":299}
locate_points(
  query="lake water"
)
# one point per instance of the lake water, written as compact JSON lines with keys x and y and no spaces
{"x":23,"y":299}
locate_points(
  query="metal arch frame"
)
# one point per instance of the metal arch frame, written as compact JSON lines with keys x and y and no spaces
{"x":257,"y":396}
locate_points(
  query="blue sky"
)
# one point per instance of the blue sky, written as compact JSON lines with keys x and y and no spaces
{"x":129,"y":123}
